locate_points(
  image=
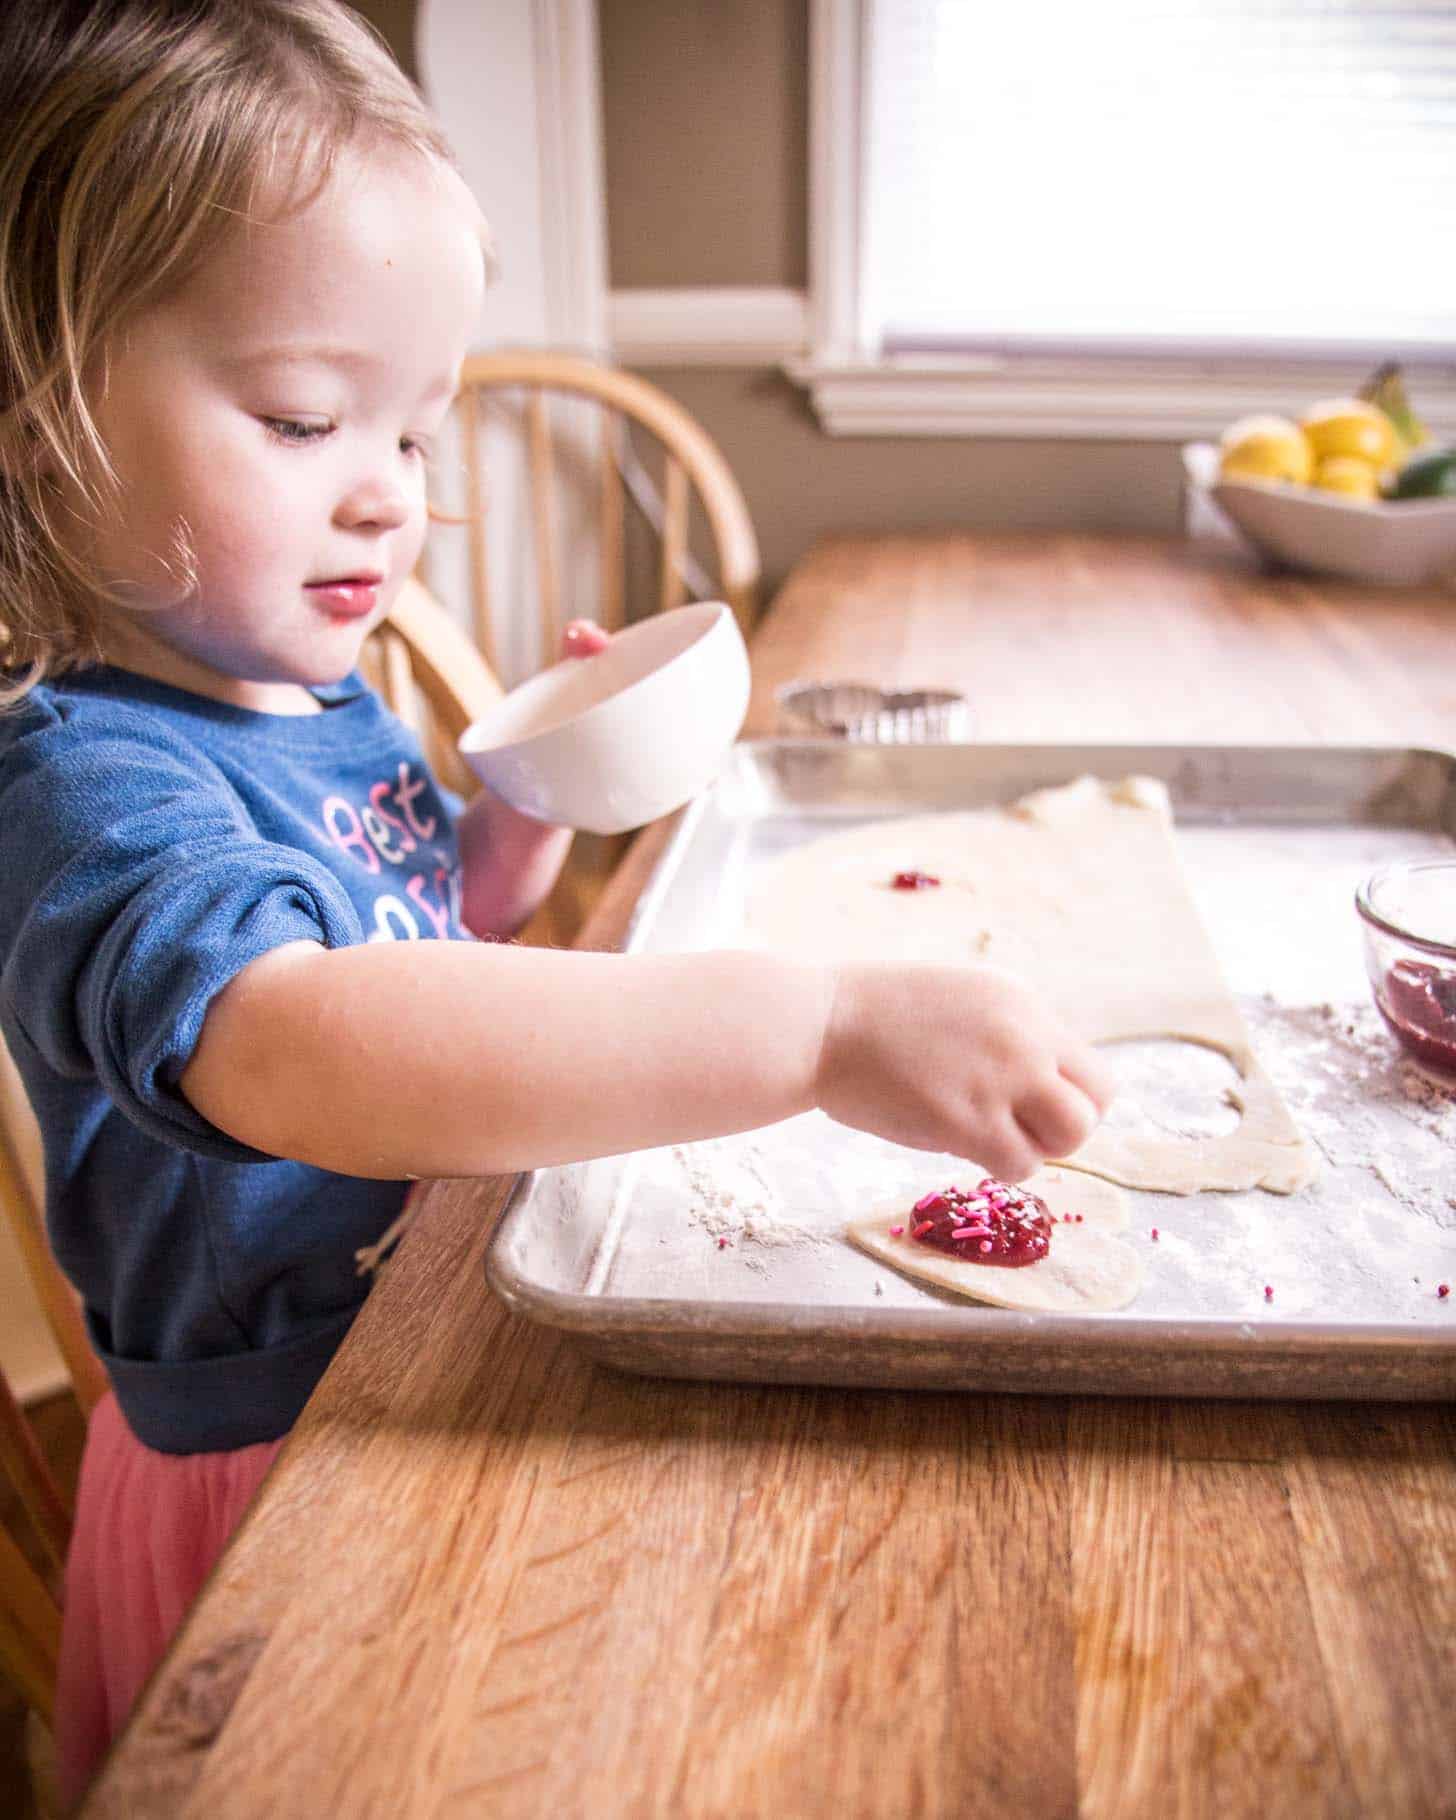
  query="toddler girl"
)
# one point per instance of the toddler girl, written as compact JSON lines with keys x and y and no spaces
{"x":238,"y":965}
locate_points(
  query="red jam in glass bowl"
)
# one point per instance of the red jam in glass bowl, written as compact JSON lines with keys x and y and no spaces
{"x":1408,"y":914}
{"x":1418,"y":1001}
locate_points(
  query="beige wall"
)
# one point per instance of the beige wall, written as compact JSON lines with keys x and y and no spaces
{"x":705,"y":116}
{"x":394,"y":20}
{"x":801,"y":484}
{"x":705,"y":129}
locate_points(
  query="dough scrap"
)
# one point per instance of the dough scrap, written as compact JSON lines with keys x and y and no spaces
{"x":1078,"y":889}
{"x":1087,"y":1270}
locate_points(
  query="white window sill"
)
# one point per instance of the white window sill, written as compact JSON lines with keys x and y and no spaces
{"x":1099,"y":399}
{"x":1103,"y":398}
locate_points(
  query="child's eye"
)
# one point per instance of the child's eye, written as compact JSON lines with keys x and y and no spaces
{"x":292,"y":430}
{"x":416,"y":445}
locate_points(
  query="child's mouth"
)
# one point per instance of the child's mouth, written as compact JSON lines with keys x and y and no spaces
{"x":346,"y":596}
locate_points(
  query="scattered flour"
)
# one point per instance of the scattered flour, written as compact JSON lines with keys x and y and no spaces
{"x":730,"y":1198}
{"x":1361,"y":1100}
{"x":1429,"y":1094}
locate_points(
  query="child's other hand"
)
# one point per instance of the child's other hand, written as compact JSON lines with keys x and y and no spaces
{"x":959,"y":1059}
{"x":584,"y":638}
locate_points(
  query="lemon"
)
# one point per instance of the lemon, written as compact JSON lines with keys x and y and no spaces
{"x":1348,"y":474}
{"x":1265,"y":448}
{"x":1349,"y":426}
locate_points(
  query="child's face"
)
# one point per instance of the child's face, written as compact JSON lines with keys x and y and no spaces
{"x":278,"y":410}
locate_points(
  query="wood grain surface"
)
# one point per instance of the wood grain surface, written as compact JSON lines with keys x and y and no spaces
{"x":489,"y":1578}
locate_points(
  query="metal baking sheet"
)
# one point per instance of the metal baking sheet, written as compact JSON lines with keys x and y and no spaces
{"x":725,"y":1259}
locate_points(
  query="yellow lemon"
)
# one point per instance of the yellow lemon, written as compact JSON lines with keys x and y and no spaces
{"x":1348,"y":474}
{"x":1349,"y":426}
{"x":1265,"y":448}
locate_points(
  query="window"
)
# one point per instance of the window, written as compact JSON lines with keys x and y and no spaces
{"x":1132,"y":217}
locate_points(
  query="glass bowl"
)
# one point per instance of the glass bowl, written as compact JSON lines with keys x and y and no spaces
{"x":1408,"y":918}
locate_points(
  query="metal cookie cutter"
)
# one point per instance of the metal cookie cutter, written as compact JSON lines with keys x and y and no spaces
{"x":858,"y":711}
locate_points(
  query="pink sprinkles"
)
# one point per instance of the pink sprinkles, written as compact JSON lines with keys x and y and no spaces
{"x":1268,"y":1292}
{"x":1003,"y":1223}
{"x":895,"y":1231}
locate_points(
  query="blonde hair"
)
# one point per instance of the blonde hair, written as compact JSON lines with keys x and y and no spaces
{"x":136,"y":132}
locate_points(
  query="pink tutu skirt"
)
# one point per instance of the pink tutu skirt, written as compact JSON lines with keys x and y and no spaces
{"x":149,"y":1529}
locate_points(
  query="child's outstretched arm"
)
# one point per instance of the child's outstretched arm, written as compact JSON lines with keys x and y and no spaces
{"x":453,"y":1059}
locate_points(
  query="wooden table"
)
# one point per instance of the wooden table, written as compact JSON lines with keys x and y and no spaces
{"x":489,"y":1578}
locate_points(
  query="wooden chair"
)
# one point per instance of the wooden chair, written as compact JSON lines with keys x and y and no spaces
{"x":692,"y":468}
{"x":692,"y":473}
{"x":35,"y":1513}
{"x":20,"y":1205}
{"x":34,"y":1537}
{"x":433,"y":677}
{"x":30,"y":1578}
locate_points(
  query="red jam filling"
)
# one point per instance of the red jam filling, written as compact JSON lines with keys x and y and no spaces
{"x":992,"y":1223}
{"x":1419,"y":1004}
{"x":913,"y":881}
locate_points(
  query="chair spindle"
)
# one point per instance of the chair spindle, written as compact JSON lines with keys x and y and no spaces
{"x":470,"y":416}
{"x":611,"y":526}
{"x":543,"y":503}
{"x":674,"y":532}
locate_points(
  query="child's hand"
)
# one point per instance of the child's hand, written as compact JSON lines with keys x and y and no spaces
{"x":958,"y":1059}
{"x":584,"y":638}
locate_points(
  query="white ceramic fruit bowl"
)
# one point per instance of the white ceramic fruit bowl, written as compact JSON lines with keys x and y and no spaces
{"x":1409,"y":541}
{"x":610,"y":742}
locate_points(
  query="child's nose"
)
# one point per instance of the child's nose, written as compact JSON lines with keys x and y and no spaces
{"x":377,"y":504}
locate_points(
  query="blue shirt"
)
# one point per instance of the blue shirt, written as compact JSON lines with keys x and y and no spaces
{"x":152,"y":843}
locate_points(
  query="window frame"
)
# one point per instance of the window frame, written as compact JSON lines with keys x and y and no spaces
{"x":1148,"y":397}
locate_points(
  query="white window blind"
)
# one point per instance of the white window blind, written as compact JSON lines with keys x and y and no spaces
{"x":1177,"y":176}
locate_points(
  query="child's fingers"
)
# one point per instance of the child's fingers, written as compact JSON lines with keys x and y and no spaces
{"x":1086,"y":1069}
{"x":1007,"y":1151}
{"x":584,"y":638}
{"x":1058,"y":1116}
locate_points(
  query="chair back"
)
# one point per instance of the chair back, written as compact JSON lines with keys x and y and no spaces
{"x":31,"y":1564}
{"x":692,"y":469}
{"x":20,"y":1206}
{"x":433,"y":677}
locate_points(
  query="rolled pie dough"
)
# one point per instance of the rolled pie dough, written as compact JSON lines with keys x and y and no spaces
{"x":1078,"y":890}
{"x":1086,"y":1270}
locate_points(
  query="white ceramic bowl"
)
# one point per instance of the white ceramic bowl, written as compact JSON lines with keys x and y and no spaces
{"x":1389,"y":541}
{"x":609,"y":742}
